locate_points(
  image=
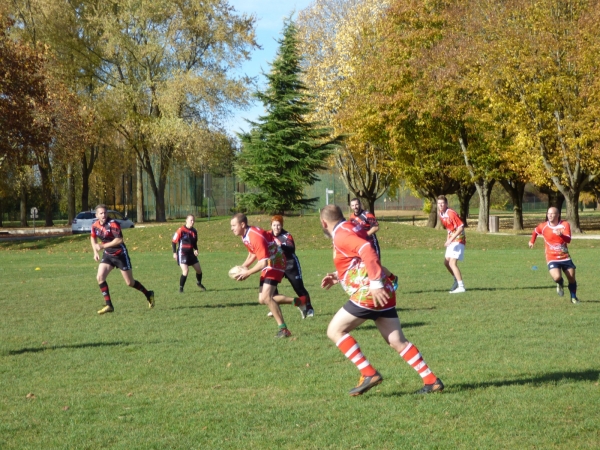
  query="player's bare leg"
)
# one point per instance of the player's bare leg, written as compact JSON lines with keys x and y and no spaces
{"x":391,"y":331}
{"x":265,"y":297}
{"x":131,"y":282}
{"x":339,"y":332}
{"x":452,"y":266}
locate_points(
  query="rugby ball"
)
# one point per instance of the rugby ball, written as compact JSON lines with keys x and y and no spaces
{"x":235,"y":271}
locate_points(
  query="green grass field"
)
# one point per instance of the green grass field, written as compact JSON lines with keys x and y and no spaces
{"x":203,"y":370}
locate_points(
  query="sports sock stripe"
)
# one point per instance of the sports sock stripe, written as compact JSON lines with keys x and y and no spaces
{"x":350,"y":348}
{"x":413,"y":357}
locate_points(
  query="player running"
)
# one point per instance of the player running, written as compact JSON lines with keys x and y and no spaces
{"x":270,"y":262}
{"x":372,"y":297}
{"x":115,"y":255}
{"x":455,"y":243}
{"x":557,"y":234}
{"x":368,"y":221}
{"x":185,"y":252}
{"x":293,"y":271}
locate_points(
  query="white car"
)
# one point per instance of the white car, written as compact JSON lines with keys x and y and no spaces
{"x":82,"y":223}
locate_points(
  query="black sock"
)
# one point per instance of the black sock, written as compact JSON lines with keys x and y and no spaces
{"x":199,"y":277}
{"x":140,"y":287}
{"x":561,"y":282}
{"x":573,"y":289}
{"x":182,"y":280}
{"x":104,"y":289}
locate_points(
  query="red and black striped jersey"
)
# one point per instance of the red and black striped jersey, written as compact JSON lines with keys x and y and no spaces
{"x":108,"y":232}
{"x":186,"y":239}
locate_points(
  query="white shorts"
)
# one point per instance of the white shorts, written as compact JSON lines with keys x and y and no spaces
{"x":456,"y":250}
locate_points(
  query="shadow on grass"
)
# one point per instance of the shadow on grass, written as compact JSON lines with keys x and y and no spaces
{"x":540,"y":380}
{"x":371,"y":326}
{"x":218,"y":305}
{"x":543,"y":379}
{"x":426,"y":291}
{"x":56,"y":347}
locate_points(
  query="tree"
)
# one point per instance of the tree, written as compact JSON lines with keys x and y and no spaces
{"x":336,"y":39}
{"x":164,"y":68}
{"x":541,"y":69}
{"x":283,"y":151}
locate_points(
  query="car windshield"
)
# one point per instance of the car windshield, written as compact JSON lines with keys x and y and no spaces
{"x":115,"y":215}
{"x":86,"y":215}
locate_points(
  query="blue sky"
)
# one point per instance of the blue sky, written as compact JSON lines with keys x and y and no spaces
{"x":269,"y":15}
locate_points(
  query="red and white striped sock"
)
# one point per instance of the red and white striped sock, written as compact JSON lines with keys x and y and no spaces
{"x":413,"y":357}
{"x":350,"y":348}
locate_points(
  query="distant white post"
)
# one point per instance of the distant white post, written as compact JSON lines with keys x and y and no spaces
{"x":327,"y":192}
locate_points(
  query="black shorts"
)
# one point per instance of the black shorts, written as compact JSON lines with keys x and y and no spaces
{"x":120,"y":261}
{"x":371,"y":314}
{"x":269,"y":281}
{"x":564,"y":265}
{"x":189,"y":259}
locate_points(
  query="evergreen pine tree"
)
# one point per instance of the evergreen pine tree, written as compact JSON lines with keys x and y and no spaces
{"x":283,"y":151}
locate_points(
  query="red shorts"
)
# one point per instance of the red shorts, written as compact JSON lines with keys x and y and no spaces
{"x":271,"y":274}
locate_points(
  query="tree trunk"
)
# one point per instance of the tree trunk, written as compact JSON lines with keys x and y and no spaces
{"x":555,"y":198}
{"x":70,"y":194}
{"x":23,"y":202}
{"x":516,"y":190}
{"x":572,"y":201}
{"x":46,"y":176}
{"x":87,"y":166}
{"x":484,"y":189}
{"x":465,"y":193}
{"x":1,"y":212}
{"x":139,"y":192}
{"x":432,"y":220}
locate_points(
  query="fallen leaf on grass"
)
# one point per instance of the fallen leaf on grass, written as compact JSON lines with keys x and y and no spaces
{"x":30,"y":395}
{"x":65,"y":408}
{"x":129,"y":394}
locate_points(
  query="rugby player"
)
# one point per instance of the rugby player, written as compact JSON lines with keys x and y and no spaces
{"x":185,"y":252}
{"x":455,"y":243}
{"x":115,"y":254}
{"x":270,"y":263}
{"x":372,"y":297}
{"x":293,"y":271}
{"x":557,"y":234}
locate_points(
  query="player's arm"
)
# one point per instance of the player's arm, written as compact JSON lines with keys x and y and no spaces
{"x":95,"y":247}
{"x":375,"y":273}
{"x":114,"y":243}
{"x":566,"y":232}
{"x":455,"y":233}
{"x":290,"y":245}
{"x":329,"y":280}
{"x":249,"y":260}
{"x":373,"y":224}
{"x":534,"y":236}
{"x":195,"y":244}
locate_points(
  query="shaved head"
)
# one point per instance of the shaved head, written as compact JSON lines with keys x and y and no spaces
{"x":332,"y":213}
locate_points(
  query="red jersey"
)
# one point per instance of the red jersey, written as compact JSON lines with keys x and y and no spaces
{"x":186,"y":238}
{"x":452,"y":222}
{"x":108,"y":232}
{"x":357,"y":265}
{"x":556,"y":246}
{"x":367,"y":220}
{"x":262,"y":244}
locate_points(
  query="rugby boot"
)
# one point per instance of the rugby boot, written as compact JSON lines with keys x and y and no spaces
{"x":575,"y":300}
{"x":150,"y":299}
{"x":106,"y":309}
{"x":201,"y":286}
{"x":283,"y":333}
{"x":438,"y":386}
{"x":560,"y":290}
{"x":366,"y":383}
{"x":454,"y":285}
{"x":301,"y":302}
